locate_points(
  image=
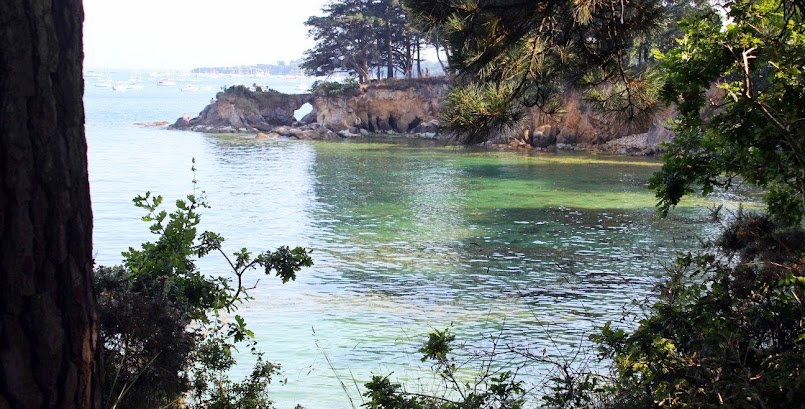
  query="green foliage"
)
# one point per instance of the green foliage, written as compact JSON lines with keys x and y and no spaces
{"x":749,"y":128}
{"x":490,"y":388}
{"x":239,"y":91}
{"x":438,"y":346}
{"x":383,"y":394}
{"x":345,"y":39}
{"x":335,"y":88}
{"x":169,"y":331}
{"x":477,"y":113}
{"x":357,"y":36}
{"x":146,"y":348}
{"x":211,"y":385}
{"x":728,"y":327}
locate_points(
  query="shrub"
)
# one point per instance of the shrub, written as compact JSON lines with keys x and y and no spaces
{"x":728,"y":327}
{"x":335,"y":88}
{"x":168,"y":331}
{"x":492,"y":388}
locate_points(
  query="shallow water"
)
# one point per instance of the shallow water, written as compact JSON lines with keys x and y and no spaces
{"x":407,"y":236}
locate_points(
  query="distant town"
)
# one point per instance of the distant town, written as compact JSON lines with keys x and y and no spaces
{"x":290,"y":68}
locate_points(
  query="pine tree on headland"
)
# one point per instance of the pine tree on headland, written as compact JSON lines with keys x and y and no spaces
{"x":508,"y":55}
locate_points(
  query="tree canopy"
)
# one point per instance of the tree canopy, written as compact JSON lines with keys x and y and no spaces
{"x":749,"y":72}
{"x":359,"y":36}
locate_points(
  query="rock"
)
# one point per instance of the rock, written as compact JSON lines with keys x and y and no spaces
{"x":214,"y":130}
{"x":399,"y":106}
{"x":235,"y":120}
{"x":659,"y":132}
{"x":300,"y":134}
{"x":153,"y":124}
{"x":283,"y":130}
{"x":309,"y":118}
{"x":526,"y":136}
{"x":636,"y":145}
{"x":546,"y":130}
{"x":270,"y":135}
{"x":363,"y":132}
{"x":182,"y":123}
{"x":380,"y":124}
{"x":242,"y":109}
{"x":541,"y":140}
{"x":424,"y":127}
{"x":334,"y":113}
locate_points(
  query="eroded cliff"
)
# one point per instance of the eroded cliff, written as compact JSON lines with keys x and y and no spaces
{"x":413,"y":107}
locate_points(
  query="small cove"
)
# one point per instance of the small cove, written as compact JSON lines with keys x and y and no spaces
{"x":407,"y":236}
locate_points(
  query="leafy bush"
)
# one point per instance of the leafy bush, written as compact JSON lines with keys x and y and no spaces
{"x":750,"y":131}
{"x":335,"y":88}
{"x":146,"y":347}
{"x":491,"y":388}
{"x":239,"y":91}
{"x":728,"y":327}
{"x":166,"y":330}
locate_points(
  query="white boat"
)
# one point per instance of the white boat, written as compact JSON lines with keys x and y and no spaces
{"x":166,"y":83}
{"x":104,"y":84}
{"x":120,"y":87}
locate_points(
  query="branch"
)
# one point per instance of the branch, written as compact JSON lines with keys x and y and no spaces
{"x":746,"y":56}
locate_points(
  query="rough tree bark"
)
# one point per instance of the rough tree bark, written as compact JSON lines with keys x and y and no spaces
{"x":47,"y":307}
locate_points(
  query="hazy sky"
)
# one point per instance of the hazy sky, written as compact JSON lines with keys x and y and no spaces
{"x":183,"y":34}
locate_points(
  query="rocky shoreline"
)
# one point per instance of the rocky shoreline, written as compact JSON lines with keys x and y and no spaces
{"x":412,"y":109}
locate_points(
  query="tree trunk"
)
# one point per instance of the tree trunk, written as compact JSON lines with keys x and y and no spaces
{"x":418,"y":58}
{"x":438,"y":58}
{"x":389,"y":59}
{"x":48,"y":324}
{"x":409,"y":58}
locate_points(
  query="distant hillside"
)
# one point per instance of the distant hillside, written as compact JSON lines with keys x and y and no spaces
{"x":280,"y":68}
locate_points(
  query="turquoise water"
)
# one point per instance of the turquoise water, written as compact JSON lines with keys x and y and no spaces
{"x":407,"y":236}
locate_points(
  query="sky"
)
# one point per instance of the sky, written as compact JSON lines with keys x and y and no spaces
{"x":185,"y":34}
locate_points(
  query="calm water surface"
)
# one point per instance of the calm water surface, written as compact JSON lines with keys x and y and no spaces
{"x":407,"y":236}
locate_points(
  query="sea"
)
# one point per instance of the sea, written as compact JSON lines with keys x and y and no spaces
{"x":509,"y":250}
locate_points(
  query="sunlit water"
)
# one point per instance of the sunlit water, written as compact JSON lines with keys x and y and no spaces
{"x":407,"y":236}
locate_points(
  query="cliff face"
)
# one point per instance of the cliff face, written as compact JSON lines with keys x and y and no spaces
{"x":398,"y":107}
{"x":404,"y":107}
{"x":414,"y":107}
{"x":577,"y":125}
{"x":240,"y":109}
